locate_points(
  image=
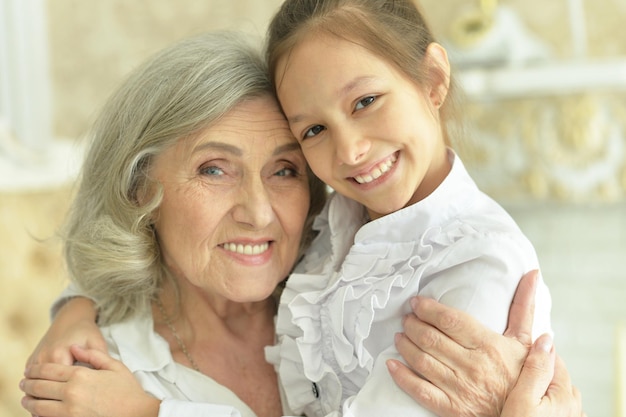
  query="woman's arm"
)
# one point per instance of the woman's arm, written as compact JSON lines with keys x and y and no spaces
{"x":543,"y":388}
{"x":74,"y":323}
{"x":452,"y":350}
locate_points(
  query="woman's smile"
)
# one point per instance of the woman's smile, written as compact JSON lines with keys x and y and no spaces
{"x":246,"y":249}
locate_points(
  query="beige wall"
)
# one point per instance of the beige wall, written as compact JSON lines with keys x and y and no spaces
{"x":94,"y":43}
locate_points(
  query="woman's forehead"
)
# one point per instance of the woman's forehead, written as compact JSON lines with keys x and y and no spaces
{"x":250,"y":125}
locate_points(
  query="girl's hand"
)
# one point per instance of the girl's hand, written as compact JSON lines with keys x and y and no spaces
{"x":109,"y":389}
{"x":467,"y":369}
{"x":75,"y":323}
{"x":544,"y":388}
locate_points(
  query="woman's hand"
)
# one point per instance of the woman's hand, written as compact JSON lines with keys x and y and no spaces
{"x":468,"y":369}
{"x":544,"y":388}
{"x":109,"y":389}
{"x":74,"y":323}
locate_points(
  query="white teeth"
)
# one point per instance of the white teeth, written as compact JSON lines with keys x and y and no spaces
{"x":379,"y":170}
{"x":246,"y":249}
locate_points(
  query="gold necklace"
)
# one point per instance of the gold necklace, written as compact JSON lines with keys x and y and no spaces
{"x":180,"y":342}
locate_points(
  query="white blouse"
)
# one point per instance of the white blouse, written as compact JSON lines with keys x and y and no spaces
{"x":344,"y":303}
{"x":183,"y":391}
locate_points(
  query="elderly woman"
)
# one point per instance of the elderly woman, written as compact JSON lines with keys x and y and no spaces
{"x":195,"y":203}
{"x":192,"y":206}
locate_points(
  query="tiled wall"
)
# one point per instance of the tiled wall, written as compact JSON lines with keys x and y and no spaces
{"x":582,"y":252}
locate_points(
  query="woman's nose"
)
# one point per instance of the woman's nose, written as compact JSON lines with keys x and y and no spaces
{"x":255,"y":206}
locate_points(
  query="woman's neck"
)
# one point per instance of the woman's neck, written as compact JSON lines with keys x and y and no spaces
{"x":226,"y":341}
{"x":195,"y":310}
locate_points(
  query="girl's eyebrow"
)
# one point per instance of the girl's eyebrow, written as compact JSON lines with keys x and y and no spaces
{"x":218,"y":146}
{"x":341,"y":92}
{"x":356,"y":82}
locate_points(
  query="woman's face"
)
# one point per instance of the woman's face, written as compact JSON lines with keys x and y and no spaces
{"x":234,"y":205}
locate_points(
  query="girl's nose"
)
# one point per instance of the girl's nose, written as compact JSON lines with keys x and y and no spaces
{"x":351,"y":147}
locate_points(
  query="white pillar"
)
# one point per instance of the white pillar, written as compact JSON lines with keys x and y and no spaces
{"x":578,"y":27}
{"x":25,"y":92}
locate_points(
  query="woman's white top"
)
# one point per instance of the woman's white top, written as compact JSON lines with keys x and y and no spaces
{"x":344,"y":303}
{"x":183,"y":391}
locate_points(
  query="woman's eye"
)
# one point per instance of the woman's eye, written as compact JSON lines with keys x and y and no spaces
{"x":364,"y":102}
{"x":286,"y":172}
{"x":212,"y":170}
{"x":313,"y":131}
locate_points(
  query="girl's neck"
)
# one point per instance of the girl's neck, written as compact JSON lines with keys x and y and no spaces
{"x":436,"y":175}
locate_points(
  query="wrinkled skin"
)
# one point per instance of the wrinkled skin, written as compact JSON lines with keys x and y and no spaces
{"x":472,"y":371}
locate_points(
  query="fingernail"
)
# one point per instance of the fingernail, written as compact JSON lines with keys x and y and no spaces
{"x":545,"y":344}
{"x":392,"y":365}
{"x":397,"y":337}
{"x":22,"y":385}
{"x":414,"y":302}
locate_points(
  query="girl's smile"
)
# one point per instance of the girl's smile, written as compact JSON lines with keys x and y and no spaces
{"x":378,"y":172}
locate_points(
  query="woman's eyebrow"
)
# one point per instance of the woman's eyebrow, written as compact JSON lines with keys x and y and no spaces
{"x":288,"y":147}
{"x":218,"y":146}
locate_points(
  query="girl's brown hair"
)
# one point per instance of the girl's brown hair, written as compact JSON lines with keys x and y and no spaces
{"x":394,"y":30}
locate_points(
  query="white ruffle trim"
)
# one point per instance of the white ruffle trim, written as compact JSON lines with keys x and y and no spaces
{"x":325,"y":319}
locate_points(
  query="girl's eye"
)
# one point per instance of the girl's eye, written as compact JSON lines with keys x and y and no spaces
{"x":211,"y":170}
{"x":364,"y":102}
{"x":313,"y":131}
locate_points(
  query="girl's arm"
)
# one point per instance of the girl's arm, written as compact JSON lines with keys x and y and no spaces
{"x":479,"y":279}
{"x":109,"y":389}
{"x":73,"y":323}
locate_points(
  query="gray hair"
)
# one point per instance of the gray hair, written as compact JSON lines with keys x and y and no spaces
{"x":110,"y":246}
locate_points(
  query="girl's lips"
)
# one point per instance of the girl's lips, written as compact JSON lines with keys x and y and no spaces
{"x":377,"y":171}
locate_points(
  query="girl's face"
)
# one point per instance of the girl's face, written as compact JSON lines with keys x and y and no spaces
{"x":234,"y":205}
{"x":365,"y":128}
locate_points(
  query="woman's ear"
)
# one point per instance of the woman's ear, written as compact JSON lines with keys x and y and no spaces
{"x":436,"y":60}
{"x":146,"y":192}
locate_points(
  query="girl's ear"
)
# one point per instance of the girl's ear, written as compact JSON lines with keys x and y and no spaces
{"x":436,"y":60}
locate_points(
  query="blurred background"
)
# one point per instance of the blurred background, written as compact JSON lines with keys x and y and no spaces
{"x":544,"y":134}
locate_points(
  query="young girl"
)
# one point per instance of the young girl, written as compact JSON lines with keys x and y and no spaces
{"x":364,"y":87}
